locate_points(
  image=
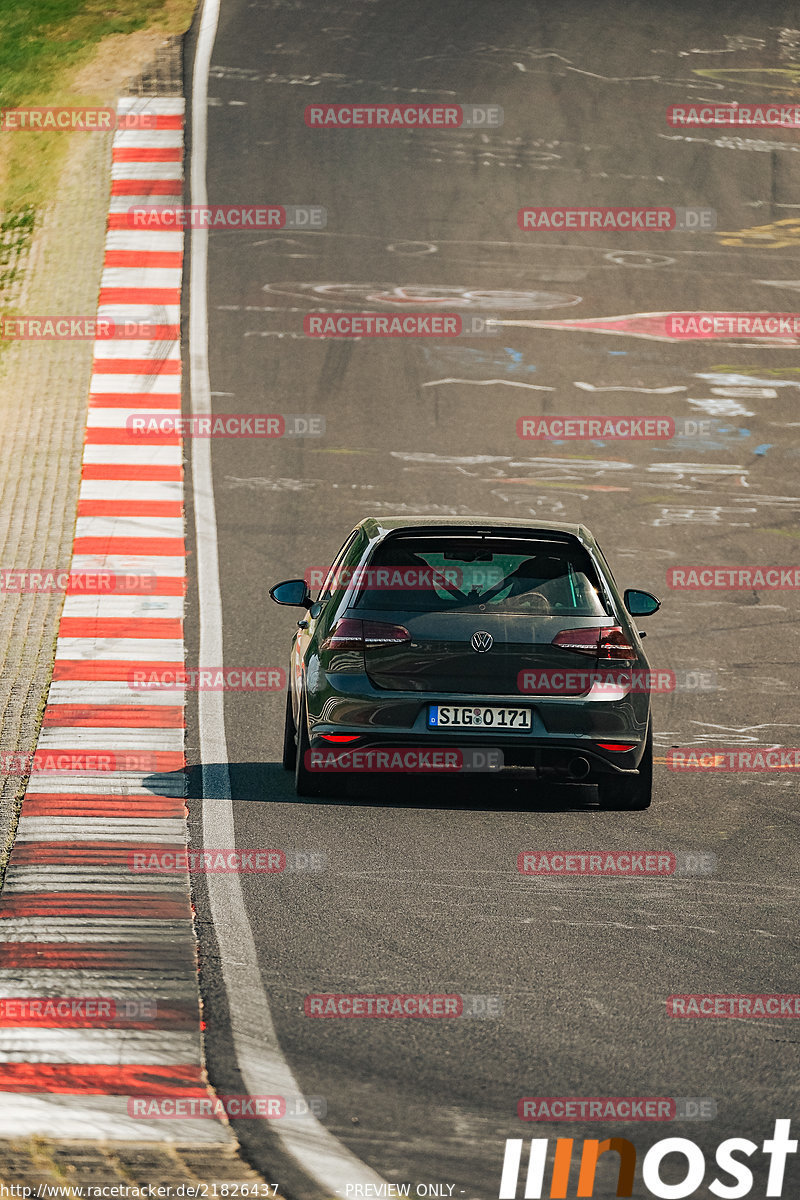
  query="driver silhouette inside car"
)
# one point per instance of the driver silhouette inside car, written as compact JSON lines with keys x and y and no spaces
{"x":522,"y":588}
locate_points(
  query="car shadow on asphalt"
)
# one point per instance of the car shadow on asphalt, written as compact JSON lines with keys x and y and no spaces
{"x":268,"y":782}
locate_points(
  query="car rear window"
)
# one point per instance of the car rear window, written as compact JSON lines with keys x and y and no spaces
{"x":498,"y":575}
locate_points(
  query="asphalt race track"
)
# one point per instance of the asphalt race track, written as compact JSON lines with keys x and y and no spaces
{"x":420,"y":890}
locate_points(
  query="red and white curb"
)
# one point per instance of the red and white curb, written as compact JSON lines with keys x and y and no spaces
{"x":75,"y":921}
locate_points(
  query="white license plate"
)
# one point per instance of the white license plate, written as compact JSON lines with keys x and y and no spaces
{"x":462,"y":716}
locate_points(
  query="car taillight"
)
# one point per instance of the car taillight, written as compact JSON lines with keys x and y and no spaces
{"x":606,"y":643}
{"x":582,"y":641}
{"x":349,"y":634}
{"x":378,"y":634}
{"x":345,"y":635}
{"x":621,"y":746}
{"x":615,"y":647}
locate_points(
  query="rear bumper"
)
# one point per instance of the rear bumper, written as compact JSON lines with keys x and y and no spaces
{"x":563,"y":729}
{"x":573,"y":761}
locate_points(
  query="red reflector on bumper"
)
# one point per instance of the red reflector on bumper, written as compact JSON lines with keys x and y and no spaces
{"x":616,"y":745}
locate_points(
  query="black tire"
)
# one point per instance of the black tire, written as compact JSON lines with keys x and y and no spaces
{"x":289,"y":734}
{"x":626,"y":793}
{"x":312,"y":783}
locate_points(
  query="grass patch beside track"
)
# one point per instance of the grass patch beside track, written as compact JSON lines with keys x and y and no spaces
{"x":46,"y":55}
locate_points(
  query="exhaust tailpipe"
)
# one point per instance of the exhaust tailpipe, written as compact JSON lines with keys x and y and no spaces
{"x":578,"y":768}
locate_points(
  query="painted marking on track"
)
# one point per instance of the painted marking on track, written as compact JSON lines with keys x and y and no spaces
{"x":650,"y":325}
{"x":514,"y":383}
{"x":775,"y":236}
{"x":775,"y":79}
{"x":659,"y":391}
{"x":421,"y":295}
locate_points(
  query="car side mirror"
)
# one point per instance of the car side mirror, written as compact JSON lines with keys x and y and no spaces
{"x":293,"y":592}
{"x":641,"y":604}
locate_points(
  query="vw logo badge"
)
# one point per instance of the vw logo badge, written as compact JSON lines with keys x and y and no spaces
{"x":481,"y":641}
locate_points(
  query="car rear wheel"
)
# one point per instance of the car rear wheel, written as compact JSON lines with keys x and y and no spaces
{"x":289,"y":734}
{"x":311,"y":783}
{"x":621,"y":792}
{"x":306,"y":783}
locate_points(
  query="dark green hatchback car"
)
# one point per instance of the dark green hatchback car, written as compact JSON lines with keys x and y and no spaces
{"x":437,"y":644}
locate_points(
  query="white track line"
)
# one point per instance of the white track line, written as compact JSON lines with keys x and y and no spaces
{"x":120,"y":489}
{"x":126,"y":348}
{"x":96,"y":1047}
{"x":122,"y":738}
{"x":115,"y":930}
{"x":161,"y":564}
{"x":105,"y":1116}
{"x":147,"y":170}
{"x":122,"y":829}
{"x":131,"y":650}
{"x":126,"y":605}
{"x":36,"y":982}
{"x":88,"y":879}
{"x":145,"y":314}
{"x":261,"y":1063}
{"x":136,"y":385}
{"x":90,"y":691}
